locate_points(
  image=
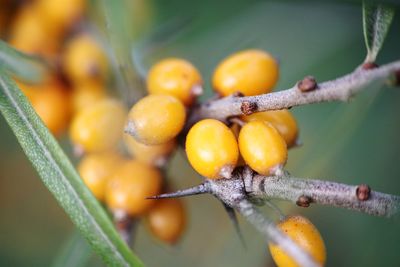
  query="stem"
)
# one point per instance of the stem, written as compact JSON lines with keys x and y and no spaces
{"x":274,"y":235}
{"x":324,"y":193}
{"x":340,"y":89}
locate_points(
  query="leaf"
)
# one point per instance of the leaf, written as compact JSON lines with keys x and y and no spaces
{"x":25,"y":67}
{"x":60,"y":177}
{"x":376,"y":21}
{"x":74,"y":253}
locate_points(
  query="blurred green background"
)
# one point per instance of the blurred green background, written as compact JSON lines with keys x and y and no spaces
{"x":351,"y":143}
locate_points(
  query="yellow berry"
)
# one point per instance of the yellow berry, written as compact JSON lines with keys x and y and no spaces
{"x":262,"y":147}
{"x":98,"y":127}
{"x":251,"y":72}
{"x":176,"y":77}
{"x":61,"y":14}
{"x":51,"y":101}
{"x":96,"y":170}
{"x":306,"y":235}
{"x":167,"y":220}
{"x":86,"y":94}
{"x":212,"y":149}
{"x":129,"y":187}
{"x":84,"y":60}
{"x":31,"y":34}
{"x":151,"y":154}
{"x":156,"y":119}
{"x":282,"y":120}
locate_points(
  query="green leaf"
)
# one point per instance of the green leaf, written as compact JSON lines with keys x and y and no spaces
{"x":74,"y":253}
{"x":61,"y":178}
{"x":376,"y":21}
{"x":25,"y":67}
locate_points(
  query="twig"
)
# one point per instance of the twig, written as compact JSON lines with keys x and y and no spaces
{"x":303,"y":192}
{"x":340,"y":89}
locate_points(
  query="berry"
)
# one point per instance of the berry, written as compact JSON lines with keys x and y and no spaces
{"x":96,"y":169}
{"x":306,"y":235}
{"x":250,"y":72}
{"x":167,"y":220}
{"x":282,"y":120}
{"x":212,"y":149}
{"x":31,"y":34}
{"x":129,"y":187}
{"x":176,"y":77}
{"x":51,"y":102}
{"x":151,"y":154}
{"x":61,"y":14}
{"x":98,"y":127}
{"x":84,"y":60}
{"x":87,"y":94}
{"x":262,"y":147}
{"x":156,"y":119}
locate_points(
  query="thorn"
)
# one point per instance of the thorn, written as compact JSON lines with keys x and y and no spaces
{"x":304,"y":201}
{"x":235,"y":222}
{"x":196,"y":190}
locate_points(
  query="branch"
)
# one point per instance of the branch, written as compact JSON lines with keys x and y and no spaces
{"x":303,"y":192}
{"x":340,"y":89}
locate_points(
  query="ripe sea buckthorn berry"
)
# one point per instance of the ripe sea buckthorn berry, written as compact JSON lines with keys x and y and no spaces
{"x":282,"y":120}
{"x":85,"y":61}
{"x":212,"y":149}
{"x":156,"y":119}
{"x":250,"y":72}
{"x":151,"y":154}
{"x":51,"y":102}
{"x":98,"y":127}
{"x":129,"y":187}
{"x":262,"y":147}
{"x":96,"y":169}
{"x":176,"y":77}
{"x":306,"y":235}
{"x":61,"y":14}
{"x":29,"y":33}
{"x":86,"y":94}
{"x":167,"y":220}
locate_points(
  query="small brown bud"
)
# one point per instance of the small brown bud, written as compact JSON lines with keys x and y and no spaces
{"x":397,"y":78}
{"x":369,"y":66}
{"x":248,"y":107}
{"x":363,"y":192}
{"x":304,"y":201}
{"x":237,"y":94}
{"x":307,"y":84}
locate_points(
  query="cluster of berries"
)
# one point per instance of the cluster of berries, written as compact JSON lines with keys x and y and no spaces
{"x":259,"y":140}
{"x":78,"y":99}
{"x":75,"y":96}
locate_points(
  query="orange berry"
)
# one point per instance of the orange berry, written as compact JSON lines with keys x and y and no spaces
{"x":61,"y":14}
{"x":151,"y":154}
{"x":306,"y":235}
{"x":176,"y":77}
{"x":96,"y":169}
{"x":167,"y":220}
{"x":262,"y":147}
{"x":251,"y":72}
{"x":98,"y":127}
{"x":156,"y":119}
{"x":282,"y":120}
{"x":129,"y":187}
{"x":87,"y":94}
{"x":85,"y":60}
{"x":51,"y":102}
{"x":212,"y":149}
